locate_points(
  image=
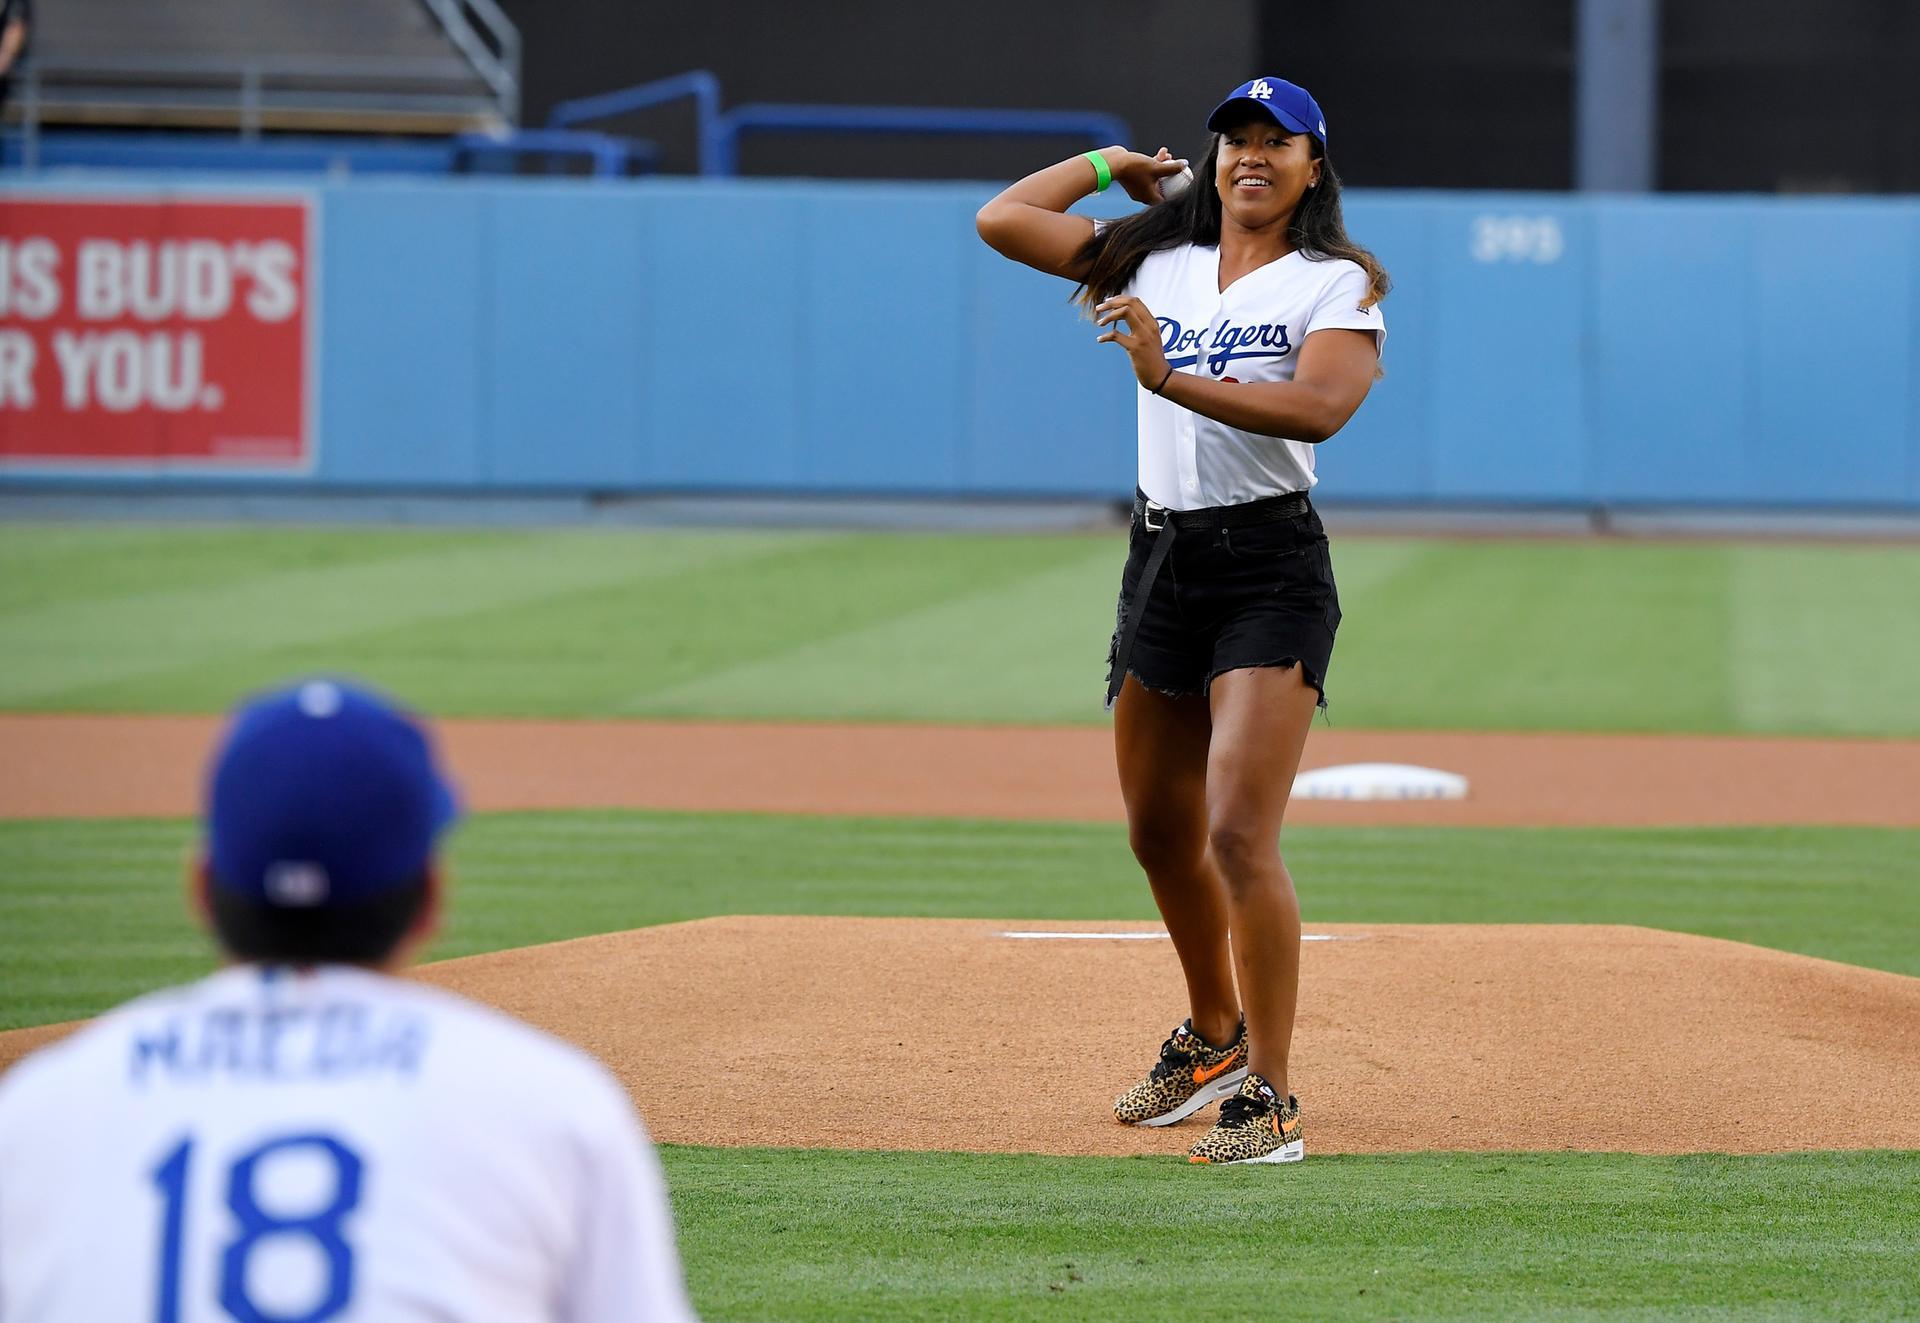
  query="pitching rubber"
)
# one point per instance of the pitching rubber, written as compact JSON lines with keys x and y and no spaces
{"x":1211,"y":1092}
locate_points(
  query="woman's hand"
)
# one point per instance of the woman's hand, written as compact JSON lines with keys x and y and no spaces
{"x":1139,"y":174}
{"x":1134,"y":330}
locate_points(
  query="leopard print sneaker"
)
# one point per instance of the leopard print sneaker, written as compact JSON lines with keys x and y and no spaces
{"x":1254,"y":1126}
{"x":1190,"y":1074}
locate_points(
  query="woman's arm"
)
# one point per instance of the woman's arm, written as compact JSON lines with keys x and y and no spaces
{"x":1335,"y":371}
{"x":1333,"y":374}
{"x":1028,"y":220}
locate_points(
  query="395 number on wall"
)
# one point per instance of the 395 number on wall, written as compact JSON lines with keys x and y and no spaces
{"x":1518,"y":238}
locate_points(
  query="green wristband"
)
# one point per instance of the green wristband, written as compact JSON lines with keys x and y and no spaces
{"x":1102,"y":172}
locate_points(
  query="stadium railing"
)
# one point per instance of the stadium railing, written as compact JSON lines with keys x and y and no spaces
{"x":698,"y":85}
{"x":257,"y":93}
{"x":610,"y":157}
{"x":718,"y":133}
{"x":943,"y":121}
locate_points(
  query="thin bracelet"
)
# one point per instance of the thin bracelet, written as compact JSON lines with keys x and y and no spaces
{"x":1163,"y":381}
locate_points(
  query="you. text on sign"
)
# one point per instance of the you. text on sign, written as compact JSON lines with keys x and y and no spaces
{"x":156,"y":332}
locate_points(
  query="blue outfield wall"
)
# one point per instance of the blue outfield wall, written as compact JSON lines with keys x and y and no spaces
{"x":807,"y":336}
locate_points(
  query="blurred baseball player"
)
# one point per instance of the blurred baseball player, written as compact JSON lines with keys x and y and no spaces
{"x":304,"y":1136}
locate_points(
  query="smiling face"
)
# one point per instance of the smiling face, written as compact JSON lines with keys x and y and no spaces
{"x":1262,"y":172}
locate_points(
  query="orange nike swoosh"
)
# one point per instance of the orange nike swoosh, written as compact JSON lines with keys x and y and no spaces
{"x":1290,"y":1128}
{"x":1201,"y":1074}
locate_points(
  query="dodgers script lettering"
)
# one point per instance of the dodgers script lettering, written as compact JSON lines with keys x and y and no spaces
{"x":1182,"y":347}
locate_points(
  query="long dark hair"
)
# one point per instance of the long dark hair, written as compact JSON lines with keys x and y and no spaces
{"x":1317,"y":229}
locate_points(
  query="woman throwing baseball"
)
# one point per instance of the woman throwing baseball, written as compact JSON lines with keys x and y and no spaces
{"x":1253,"y":327}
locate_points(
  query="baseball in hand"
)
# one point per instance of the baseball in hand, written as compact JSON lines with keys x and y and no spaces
{"x":1172,"y":186}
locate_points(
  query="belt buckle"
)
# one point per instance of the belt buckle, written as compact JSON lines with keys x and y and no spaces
{"x":1146,"y":517}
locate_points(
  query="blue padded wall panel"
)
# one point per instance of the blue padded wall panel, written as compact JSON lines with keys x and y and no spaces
{"x":1913,"y":377}
{"x":812,"y":335}
{"x":401,"y":386}
{"x":721,"y":348}
{"x":1673,"y":360}
{"x":1506,"y":345}
{"x":1048,"y":408}
{"x":1834,"y":353}
{"x":568,"y":301}
{"x":1382,"y":454}
{"x":882,"y":353}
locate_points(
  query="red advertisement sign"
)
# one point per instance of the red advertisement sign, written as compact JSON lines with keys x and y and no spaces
{"x":139,"y":332}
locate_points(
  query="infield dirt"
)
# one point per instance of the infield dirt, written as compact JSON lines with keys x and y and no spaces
{"x":132,"y":766}
{"x":944,"y":1034}
{"x":947,"y":1034}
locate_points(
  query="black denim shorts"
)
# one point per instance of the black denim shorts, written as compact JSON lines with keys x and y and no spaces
{"x":1230,"y":598}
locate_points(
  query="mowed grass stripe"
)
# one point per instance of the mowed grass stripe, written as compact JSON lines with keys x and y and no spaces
{"x":748,"y":622}
{"x":925,"y":663}
{"x":91,"y":912}
{"x":58,"y":564}
{"x":1033,"y":649}
{"x":202,"y":644}
{"x":785,"y":1234}
{"x":1543,"y":636}
{"x":562,"y":624}
{"x":1827,"y":644}
{"x":1587,"y":635}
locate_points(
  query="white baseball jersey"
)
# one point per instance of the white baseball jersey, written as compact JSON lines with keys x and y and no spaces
{"x":1251,"y":332}
{"x":269,"y":1145}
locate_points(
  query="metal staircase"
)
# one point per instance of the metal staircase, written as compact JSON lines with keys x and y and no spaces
{"x":359,"y":66}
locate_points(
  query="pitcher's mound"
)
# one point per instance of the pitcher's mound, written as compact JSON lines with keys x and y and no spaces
{"x":947,"y":1034}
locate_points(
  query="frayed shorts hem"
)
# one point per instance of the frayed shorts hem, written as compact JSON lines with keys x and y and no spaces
{"x":1307,"y":672}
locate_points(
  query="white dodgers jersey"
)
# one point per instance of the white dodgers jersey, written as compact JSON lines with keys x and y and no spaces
{"x":1251,"y":331}
{"x":269,"y":1145}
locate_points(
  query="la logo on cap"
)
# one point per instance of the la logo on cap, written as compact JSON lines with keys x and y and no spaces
{"x":1261,"y":89}
{"x":296,"y":883}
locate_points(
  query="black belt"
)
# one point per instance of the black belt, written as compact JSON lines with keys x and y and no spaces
{"x":1267,"y":510}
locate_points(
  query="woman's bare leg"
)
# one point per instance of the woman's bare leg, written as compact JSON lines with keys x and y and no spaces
{"x":1160,"y":744}
{"x":1260,"y":721}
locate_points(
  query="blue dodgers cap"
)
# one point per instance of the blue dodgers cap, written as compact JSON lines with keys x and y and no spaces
{"x":1287,"y":104}
{"x":323,"y":794}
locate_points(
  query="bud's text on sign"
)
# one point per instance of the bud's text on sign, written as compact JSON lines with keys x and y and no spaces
{"x":155,"y":332}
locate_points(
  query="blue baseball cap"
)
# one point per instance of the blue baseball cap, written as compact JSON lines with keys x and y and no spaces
{"x":323,"y":794}
{"x":1287,"y":104}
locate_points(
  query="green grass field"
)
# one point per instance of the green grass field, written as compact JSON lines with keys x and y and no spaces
{"x":1498,"y":635}
{"x":1582,"y":635}
{"x":1523,"y":1236}
{"x":94,"y":915}
{"x":94,"y":909}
